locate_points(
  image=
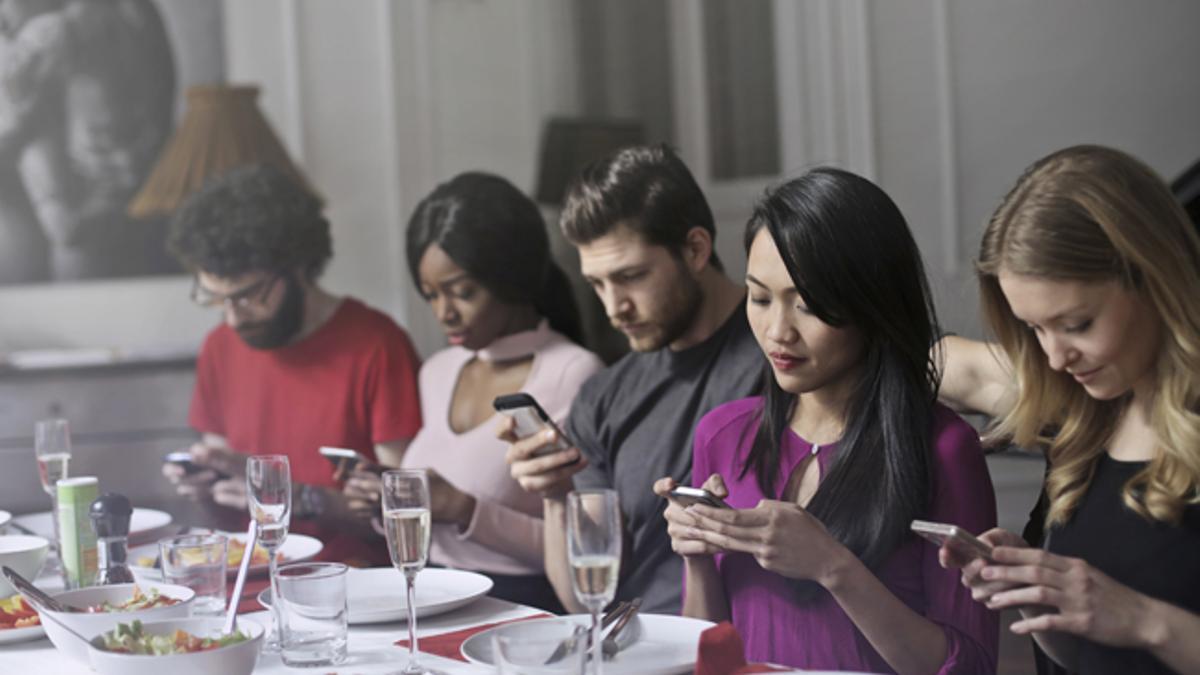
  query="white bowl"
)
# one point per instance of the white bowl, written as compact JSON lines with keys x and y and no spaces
{"x":25,"y":554}
{"x":101,"y":622}
{"x":238,"y":659}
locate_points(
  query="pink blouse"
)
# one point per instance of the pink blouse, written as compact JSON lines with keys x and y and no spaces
{"x":505,"y":533}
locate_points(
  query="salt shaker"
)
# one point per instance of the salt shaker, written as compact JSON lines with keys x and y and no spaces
{"x":110,"y":515}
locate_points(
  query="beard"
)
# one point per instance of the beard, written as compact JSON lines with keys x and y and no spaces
{"x":278,"y":330}
{"x":678,"y":311}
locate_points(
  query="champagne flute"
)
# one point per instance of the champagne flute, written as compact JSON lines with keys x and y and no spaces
{"x":406,"y":522}
{"x":52,"y":447}
{"x":594,"y":553}
{"x":269,"y":487}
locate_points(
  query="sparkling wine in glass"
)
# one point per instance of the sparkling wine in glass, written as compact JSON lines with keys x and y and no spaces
{"x":406,"y":522}
{"x":52,"y":447}
{"x":269,"y":488}
{"x":594,"y":553}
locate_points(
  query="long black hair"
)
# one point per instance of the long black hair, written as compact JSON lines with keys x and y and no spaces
{"x":497,"y":235}
{"x":853,"y":260}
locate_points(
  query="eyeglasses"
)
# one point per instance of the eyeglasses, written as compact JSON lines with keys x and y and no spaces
{"x":253,"y":295}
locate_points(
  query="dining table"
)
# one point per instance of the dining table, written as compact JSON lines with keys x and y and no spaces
{"x":371,"y":648}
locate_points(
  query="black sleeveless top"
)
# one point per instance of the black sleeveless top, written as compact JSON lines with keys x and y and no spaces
{"x":1156,"y":559}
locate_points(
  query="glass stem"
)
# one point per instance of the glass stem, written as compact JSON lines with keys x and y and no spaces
{"x":597,"y":652}
{"x":410,"y":578}
{"x":276,"y":605}
{"x":57,"y":547}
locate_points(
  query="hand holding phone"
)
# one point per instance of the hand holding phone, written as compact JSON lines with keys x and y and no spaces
{"x":686,"y":496}
{"x":345,"y":461}
{"x":953,"y":537}
{"x":529,"y":419}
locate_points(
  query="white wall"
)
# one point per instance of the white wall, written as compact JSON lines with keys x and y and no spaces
{"x":381,"y":100}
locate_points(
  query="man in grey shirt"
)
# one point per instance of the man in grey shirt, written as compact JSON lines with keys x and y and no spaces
{"x":645,"y":238}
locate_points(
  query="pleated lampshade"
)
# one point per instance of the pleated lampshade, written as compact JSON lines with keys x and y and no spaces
{"x":222,"y":128}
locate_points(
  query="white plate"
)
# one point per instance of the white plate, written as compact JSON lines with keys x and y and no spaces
{"x":665,"y":645}
{"x":296,"y":548}
{"x":142,"y":523}
{"x":377,"y":595}
{"x":10,"y":635}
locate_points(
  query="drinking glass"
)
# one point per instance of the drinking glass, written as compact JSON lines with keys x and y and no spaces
{"x":52,"y":446}
{"x":197,"y":561}
{"x":594,"y":553}
{"x":406,"y":522}
{"x":315,"y":627}
{"x":269,"y":488}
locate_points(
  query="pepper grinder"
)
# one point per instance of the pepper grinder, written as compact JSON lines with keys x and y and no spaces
{"x":110,"y":515}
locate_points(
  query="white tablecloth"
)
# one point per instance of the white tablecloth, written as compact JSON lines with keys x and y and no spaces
{"x":371,"y":646}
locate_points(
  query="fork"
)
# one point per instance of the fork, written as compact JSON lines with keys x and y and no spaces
{"x":609,"y":646}
{"x":566,"y":645}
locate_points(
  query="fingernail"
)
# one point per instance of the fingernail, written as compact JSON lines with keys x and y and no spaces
{"x":987,"y":573}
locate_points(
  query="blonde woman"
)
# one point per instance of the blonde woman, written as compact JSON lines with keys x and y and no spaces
{"x":1090,"y":278}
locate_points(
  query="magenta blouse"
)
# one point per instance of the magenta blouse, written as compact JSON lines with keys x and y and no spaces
{"x":819,"y":634}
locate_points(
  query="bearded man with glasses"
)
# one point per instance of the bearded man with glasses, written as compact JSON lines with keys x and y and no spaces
{"x":292,"y":367}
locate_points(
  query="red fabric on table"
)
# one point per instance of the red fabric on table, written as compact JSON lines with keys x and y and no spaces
{"x":721,"y":652}
{"x":449,"y":645}
{"x":250,"y":590}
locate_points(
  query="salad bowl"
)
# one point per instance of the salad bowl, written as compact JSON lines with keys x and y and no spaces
{"x":112,"y":605}
{"x":175,"y":654}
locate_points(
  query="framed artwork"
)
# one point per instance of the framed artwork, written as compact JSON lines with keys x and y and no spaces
{"x":90,"y":91}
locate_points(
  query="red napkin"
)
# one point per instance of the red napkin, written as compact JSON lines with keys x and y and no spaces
{"x":250,"y":590}
{"x":721,"y":652}
{"x":449,"y":644}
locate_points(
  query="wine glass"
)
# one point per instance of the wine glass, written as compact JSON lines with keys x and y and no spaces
{"x":594,"y":552}
{"x":52,"y":446}
{"x":406,"y":523}
{"x":269,"y":488}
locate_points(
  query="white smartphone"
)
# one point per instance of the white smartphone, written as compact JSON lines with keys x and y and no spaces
{"x":689,"y":495}
{"x":343,"y":459}
{"x":530,"y":419}
{"x":953,"y":537}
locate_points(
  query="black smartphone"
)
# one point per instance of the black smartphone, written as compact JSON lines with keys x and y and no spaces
{"x":530,"y":419}
{"x":953,"y":537}
{"x":689,"y":495}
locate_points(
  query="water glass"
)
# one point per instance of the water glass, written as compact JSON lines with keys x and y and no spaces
{"x":269,"y":488}
{"x":312,"y":602}
{"x":525,"y":647}
{"x":198,"y":562}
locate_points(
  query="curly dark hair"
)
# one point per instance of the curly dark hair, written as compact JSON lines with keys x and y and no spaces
{"x":249,"y":219}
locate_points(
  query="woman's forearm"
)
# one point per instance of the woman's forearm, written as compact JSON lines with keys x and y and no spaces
{"x":909,"y":642}
{"x":1170,"y":633}
{"x":558,"y":569}
{"x":705,"y":597}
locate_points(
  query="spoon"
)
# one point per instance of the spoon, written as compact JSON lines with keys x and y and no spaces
{"x":231,"y":613}
{"x":33,"y":594}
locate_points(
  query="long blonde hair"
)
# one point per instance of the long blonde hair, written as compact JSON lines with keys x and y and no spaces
{"x":1094,"y":214}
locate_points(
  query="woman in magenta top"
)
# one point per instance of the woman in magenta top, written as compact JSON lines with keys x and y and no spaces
{"x":815,"y":564}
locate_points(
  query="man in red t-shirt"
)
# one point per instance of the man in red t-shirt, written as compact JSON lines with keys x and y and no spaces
{"x":292,"y":368}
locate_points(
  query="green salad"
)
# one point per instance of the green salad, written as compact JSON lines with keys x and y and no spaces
{"x":128,"y":638}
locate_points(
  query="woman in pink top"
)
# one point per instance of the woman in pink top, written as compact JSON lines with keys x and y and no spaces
{"x":479,"y":253}
{"x":814,"y":563}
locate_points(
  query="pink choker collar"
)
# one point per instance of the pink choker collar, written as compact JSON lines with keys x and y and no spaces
{"x":517,"y":345}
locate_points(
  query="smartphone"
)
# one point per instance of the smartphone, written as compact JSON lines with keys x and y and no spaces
{"x":184,"y":459}
{"x":342,"y":458}
{"x":690,"y":495}
{"x":530,"y":419}
{"x":953,"y":537}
